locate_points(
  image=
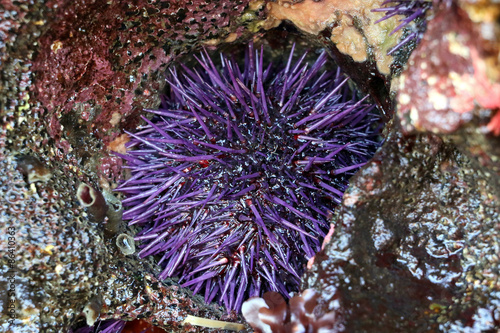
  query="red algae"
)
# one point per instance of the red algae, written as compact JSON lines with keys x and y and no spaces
{"x":448,"y":81}
{"x":139,"y":325}
{"x":113,"y":61}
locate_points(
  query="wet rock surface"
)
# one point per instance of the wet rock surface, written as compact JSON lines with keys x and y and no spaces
{"x":416,"y":244}
{"x":66,"y":269}
{"x":63,"y":263}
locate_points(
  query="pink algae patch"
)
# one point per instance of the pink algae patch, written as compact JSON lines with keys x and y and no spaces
{"x":494,"y":124}
{"x":327,"y":239}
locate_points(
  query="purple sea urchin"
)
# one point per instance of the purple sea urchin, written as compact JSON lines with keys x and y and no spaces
{"x":236,"y":177}
{"x":413,"y":11}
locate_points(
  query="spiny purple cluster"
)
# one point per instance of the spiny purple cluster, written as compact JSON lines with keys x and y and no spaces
{"x":412,"y":10}
{"x":235,"y":179}
{"x":107,"y":326}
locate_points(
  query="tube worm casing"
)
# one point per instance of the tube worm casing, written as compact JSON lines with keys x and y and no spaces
{"x":94,"y":201}
{"x":115,"y":211}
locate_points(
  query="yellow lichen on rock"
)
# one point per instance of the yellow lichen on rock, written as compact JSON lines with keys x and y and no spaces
{"x":352,"y":25}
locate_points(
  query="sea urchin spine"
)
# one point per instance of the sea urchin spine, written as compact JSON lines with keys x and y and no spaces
{"x":412,"y":11}
{"x":235,"y":179}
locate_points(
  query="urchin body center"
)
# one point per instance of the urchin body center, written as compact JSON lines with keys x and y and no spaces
{"x":265,"y":163}
{"x":236,"y":178}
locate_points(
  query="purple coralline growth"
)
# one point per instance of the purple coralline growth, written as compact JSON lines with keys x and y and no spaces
{"x":236,"y":177}
{"x":413,"y":11}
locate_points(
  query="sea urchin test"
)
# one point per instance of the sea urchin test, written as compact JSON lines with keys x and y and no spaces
{"x":235,"y":178}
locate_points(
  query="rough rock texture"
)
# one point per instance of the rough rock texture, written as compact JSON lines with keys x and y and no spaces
{"x":347,"y":30}
{"x":100,"y":61}
{"x":97,"y":64}
{"x":416,"y":243}
{"x":350,"y":24}
{"x":65,"y":265}
{"x":64,"y":262}
{"x":15,"y":53}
